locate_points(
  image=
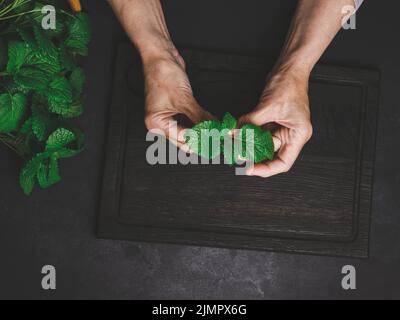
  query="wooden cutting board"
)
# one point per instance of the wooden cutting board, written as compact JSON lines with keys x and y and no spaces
{"x":322,"y":206}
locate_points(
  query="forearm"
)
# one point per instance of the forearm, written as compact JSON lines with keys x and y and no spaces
{"x":314,"y":26}
{"x":143,"y":21}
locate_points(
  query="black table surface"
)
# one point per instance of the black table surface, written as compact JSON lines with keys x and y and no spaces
{"x":57,"y":226}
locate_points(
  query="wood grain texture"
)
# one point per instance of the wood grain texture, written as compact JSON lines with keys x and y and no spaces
{"x":322,"y":206}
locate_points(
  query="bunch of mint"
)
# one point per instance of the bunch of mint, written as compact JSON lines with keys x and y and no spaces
{"x":41,"y":87}
{"x":256,"y":144}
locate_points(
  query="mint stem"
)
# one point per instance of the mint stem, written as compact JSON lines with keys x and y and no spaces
{"x":12,"y":143}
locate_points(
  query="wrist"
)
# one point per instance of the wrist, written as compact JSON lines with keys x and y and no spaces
{"x":291,"y":76}
{"x":158,"y":49}
{"x":294,"y":69}
{"x":295,"y":61}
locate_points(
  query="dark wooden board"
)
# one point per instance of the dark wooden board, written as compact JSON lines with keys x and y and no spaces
{"x":322,"y":206}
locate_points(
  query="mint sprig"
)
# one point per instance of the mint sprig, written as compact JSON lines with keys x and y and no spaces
{"x":256,"y":144}
{"x":43,"y":167}
{"x":41,"y":87}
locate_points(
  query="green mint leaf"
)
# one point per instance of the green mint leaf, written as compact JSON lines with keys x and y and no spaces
{"x":60,"y":138}
{"x":26,"y":134}
{"x":58,"y":31}
{"x":258,"y":146}
{"x":28,"y":38}
{"x":59,"y":96}
{"x":29,"y":78}
{"x":77,"y":80}
{"x":40,"y":122}
{"x":79,"y":34}
{"x":66,"y":58}
{"x":77,"y":46}
{"x":17,"y":54}
{"x":46,"y":56}
{"x":269,"y":146}
{"x":233,"y":151}
{"x":200,"y":135}
{"x":74,"y":110}
{"x":64,"y":143}
{"x":42,"y":53}
{"x":48,"y":172}
{"x":80,"y":27}
{"x":12,"y":110}
{"x":228,"y":122}
{"x":229,"y":152}
{"x":28,"y":174}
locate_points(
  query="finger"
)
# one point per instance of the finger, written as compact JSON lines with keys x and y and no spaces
{"x":181,"y":143}
{"x":183,"y":146}
{"x":176,"y":131}
{"x":284,"y":161}
{"x":169,"y":128}
{"x":177,"y":135}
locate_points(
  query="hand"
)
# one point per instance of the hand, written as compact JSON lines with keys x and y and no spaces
{"x":284,"y":102}
{"x":168,"y":95}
